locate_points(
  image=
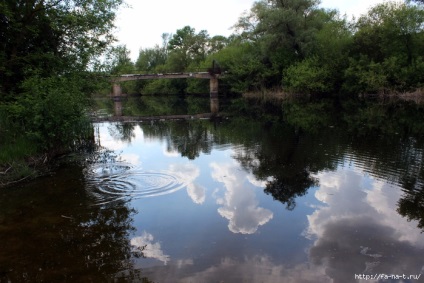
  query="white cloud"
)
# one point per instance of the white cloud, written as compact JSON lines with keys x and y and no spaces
{"x":239,"y":204}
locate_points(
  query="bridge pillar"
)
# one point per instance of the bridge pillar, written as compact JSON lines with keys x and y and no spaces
{"x":116,"y":89}
{"x":214,"y":104}
{"x":117,"y":105}
{"x":213,"y":86}
{"x":117,"y":98}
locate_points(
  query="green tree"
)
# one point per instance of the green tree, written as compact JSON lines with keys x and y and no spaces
{"x":283,"y":31}
{"x":185,"y":47}
{"x":183,"y":51}
{"x":242,"y":62}
{"x":47,"y":48}
{"x":387,"y":49}
{"x":52,"y":37}
{"x":118,"y":60}
{"x":151,"y":58}
{"x":322,"y":70}
{"x":217,"y":43}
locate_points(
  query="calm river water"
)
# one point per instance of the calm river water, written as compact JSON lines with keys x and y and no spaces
{"x":220,"y":201}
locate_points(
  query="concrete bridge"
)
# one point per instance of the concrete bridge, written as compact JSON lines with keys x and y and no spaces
{"x":213,"y":80}
{"x":212,"y":75}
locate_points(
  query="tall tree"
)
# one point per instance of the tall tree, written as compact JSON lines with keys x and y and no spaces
{"x":119,"y":61}
{"x":186,"y":46}
{"x":322,"y":70}
{"x":51,"y":36}
{"x":387,"y":49}
{"x":46,"y":48}
{"x":151,"y":58}
{"x":284,"y":32}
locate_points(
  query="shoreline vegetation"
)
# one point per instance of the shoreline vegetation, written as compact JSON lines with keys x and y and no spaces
{"x":54,"y":59}
{"x":416,"y":96}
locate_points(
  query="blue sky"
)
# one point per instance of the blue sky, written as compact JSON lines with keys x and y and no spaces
{"x":142,"y":25}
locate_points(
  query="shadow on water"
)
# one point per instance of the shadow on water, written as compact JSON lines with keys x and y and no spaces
{"x":51,"y":232}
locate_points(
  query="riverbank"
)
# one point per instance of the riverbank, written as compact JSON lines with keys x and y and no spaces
{"x":21,"y":170}
{"x":278,"y":95}
{"x":20,"y":161}
{"x":154,"y":118}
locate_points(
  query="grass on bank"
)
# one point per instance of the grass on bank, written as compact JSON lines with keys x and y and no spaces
{"x":17,"y":155}
{"x":17,"y":161}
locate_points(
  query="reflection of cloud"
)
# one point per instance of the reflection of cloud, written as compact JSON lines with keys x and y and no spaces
{"x":108,"y":141}
{"x":240,"y":206}
{"x":112,"y":144}
{"x":170,"y":153}
{"x":133,"y":159}
{"x":149,"y":248}
{"x":197,"y":193}
{"x":359,"y":231}
{"x":250,"y":269}
{"x":258,"y":183}
{"x":187,"y":173}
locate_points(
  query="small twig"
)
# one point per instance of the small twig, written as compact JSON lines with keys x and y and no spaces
{"x":6,"y":170}
{"x":7,"y":184}
{"x":67,"y":217}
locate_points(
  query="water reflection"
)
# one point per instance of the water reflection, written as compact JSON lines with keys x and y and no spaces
{"x":250,"y":269}
{"x":117,"y":107}
{"x":239,"y":204}
{"x":200,"y":201}
{"x":358,"y":230}
{"x":149,"y":248}
{"x":50,"y":232}
{"x":123,"y":132}
{"x":189,"y":172}
{"x":411,"y":205}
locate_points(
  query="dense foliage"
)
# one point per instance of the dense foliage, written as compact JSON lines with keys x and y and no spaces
{"x":48,"y":50}
{"x":299,"y":47}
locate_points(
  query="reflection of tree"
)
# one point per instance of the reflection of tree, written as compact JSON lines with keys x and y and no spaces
{"x":188,"y":138}
{"x":286,"y":190}
{"x":166,"y":105}
{"x":411,"y":205}
{"x":285,"y":158}
{"x":289,"y":152}
{"x":122,"y":131}
{"x":278,"y":153}
{"x":52,"y":232}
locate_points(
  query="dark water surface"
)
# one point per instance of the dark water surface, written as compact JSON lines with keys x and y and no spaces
{"x":221,"y":201}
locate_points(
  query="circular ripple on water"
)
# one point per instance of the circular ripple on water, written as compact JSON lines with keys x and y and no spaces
{"x":132,"y":184}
